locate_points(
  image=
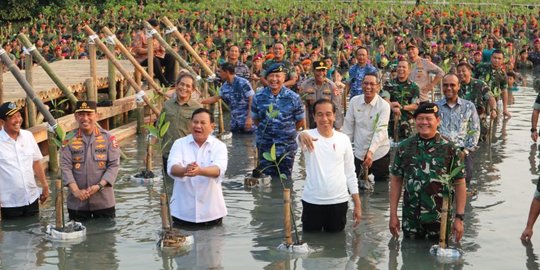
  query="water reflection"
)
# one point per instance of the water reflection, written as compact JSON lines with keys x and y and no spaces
{"x":532,"y":258}
{"x":207,"y":249}
{"x":22,"y":246}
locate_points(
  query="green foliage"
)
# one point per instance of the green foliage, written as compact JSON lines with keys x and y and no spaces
{"x":159,"y":131}
{"x":56,"y":110}
{"x":11,"y":10}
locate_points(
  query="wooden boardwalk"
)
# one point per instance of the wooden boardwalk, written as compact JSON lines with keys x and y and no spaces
{"x":73,"y":73}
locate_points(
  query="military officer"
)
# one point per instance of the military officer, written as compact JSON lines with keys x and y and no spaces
{"x":419,"y":163}
{"x":403,"y":96}
{"x":238,"y":94}
{"x":277,"y":112}
{"x":478,"y":92}
{"x":493,"y":74}
{"x":317,"y":87}
{"x":89,"y":164}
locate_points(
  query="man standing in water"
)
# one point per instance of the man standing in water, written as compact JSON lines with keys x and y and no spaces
{"x":19,"y":167}
{"x":238,"y":94}
{"x":418,"y":164}
{"x":330,"y":176}
{"x":278,"y":112}
{"x":493,"y":74}
{"x":178,"y":112}
{"x":90,"y":164}
{"x":197,"y":164}
{"x":421,"y":70}
{"x":459,"y":121}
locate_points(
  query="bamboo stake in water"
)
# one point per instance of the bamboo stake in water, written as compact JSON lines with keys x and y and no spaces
{"x":165,"y":224}
{"x":287,"y":216}
{"x":444,"y":221}
{"x":59,"y":206}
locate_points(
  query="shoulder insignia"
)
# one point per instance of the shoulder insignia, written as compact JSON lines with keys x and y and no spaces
{"x":112,"y":139}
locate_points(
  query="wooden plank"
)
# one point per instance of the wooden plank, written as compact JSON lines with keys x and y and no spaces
{"x":73,"y":74}
{"x":68,"y":122}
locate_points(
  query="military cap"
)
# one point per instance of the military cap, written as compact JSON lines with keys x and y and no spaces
{"x":85,"y":106}
{"x":277,"y":67}
{"x":8,"y":109}
{"x":411,"y":45}
{"x":318,"y":65}
{"x":427,"y":108}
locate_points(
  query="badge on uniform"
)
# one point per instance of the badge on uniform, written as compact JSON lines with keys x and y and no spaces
{"x":101,"y":164}
{"x":113,"y":141}
{"x":77,"y":166}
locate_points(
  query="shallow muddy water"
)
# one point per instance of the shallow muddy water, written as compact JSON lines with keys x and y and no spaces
{"x":505,"y":174}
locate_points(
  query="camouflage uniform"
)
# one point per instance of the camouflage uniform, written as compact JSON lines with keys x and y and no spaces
{"x":277,"y":117}
{"x":495,"y":78}
{"x":420,"y":163}
{"x":236,"y":95}
{"x":405,"y":93}
{"x":478,"y":92}
{"x":312,"y":92}
{"x":87,"y":160}
{"x":356,"y":77}
{"x":242,"y":70}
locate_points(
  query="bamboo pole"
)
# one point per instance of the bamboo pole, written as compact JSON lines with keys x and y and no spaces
{"x":306,"y":122}
{"x":396,"y":128}
{"x":27,"y":87}
{"x":91,"y":93}
{"x":186,"y":45}
{"x":287,"y":216}
{"x":30,"y":107}
{"x":59,"y":205}
{"x":120,"y":68}
{"x":444,"y":221}
{"x":170,"y":50}
{"x":125,"y":52}
{"x":221,"y":125}
{"x":140,"y":109}
{"x":111,"y":72}
{"x":165,"y":224}
{"x":148,"y":156}
{"x":43,"y":63}
{"x":150,"y":56}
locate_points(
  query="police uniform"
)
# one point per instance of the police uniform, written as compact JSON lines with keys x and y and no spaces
{"x":86,"y":160}
{"x":405,"y":93}
{"x":277,"y":116}
{"x":421,"y":164}
{"x":312,"y":92}
{"x":236,"y":95}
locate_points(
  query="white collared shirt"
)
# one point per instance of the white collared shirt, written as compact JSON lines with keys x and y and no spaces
{"x":198,"y":198}
{"x":17,"y":183}
{"x":360,"y":126}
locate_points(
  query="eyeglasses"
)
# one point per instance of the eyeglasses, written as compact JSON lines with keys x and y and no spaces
{"x":369,"y":84}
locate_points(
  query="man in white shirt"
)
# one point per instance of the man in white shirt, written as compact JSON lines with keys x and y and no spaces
{"x":366,"y":124}
{"x":19,"y":162}
{"x":197,"y":163}
{"x":330,"y":176}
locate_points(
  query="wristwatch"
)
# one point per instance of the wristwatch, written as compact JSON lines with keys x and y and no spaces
{"x":460,"y":216}
{"x":533,"y":130}
{"x":101,"y":187}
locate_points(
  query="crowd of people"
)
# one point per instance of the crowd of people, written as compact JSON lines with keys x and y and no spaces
{"x":372,"y":82}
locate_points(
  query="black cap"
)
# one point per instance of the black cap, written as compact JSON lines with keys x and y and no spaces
{"x":411,"y":45}
{"x":274,"y":68}
{"x":318,"y":65}
{"x":153,"y":22}
{"x":427,"y":108}
{"x":85,"y":106}
{"x":8,"y":109}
